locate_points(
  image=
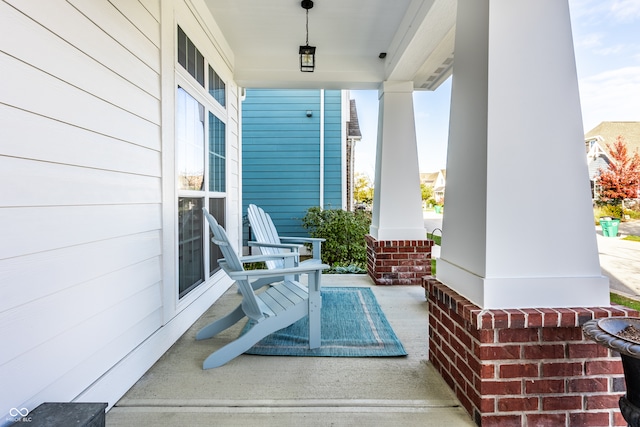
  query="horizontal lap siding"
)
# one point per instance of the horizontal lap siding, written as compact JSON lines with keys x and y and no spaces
{"x":333,"y":174}
{"x":281,"y":154}
{"x":80,"y":214}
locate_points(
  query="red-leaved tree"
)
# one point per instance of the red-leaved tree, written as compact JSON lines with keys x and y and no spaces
{"x":620,"y":181}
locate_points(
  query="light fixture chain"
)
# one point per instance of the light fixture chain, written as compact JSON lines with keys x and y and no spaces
{"x":307,"y":27}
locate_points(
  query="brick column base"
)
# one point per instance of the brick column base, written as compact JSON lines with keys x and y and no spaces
{"x":398,"y":262}
{"x":528,"y":367}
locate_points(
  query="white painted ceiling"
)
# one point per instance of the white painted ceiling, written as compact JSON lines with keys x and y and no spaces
{"x":264,"y":35}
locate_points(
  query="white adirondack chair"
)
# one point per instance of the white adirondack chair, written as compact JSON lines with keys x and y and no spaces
{"x":277,"y":307}
{"x":270,"y":243}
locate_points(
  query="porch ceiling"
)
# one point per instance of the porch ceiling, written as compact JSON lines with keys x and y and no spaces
{"x":416,"y":35}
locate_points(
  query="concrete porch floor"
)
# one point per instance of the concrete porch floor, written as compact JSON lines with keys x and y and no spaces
{"x":293,"y":391}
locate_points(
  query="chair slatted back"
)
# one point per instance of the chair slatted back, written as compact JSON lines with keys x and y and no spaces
{"x":264,"y":231}
{"x":232,"y":263}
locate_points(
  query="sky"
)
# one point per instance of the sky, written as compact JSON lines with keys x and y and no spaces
{"x":606,"y":37}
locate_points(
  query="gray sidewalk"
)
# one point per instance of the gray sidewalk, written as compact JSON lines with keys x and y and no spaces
{"x":619,"y":259}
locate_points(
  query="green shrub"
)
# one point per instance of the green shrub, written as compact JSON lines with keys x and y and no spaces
{"x":338,"y":268}
{"x":344,"y":233}
{"x":607,"y":210}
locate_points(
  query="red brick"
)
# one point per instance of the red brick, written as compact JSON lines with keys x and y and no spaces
{"x":485,"y":320}
{"x":549,"y":317}
{"x":500,"y":319}
{"x":544,"y":386}
{"x":487,"y":405}
{"x":534,"y":317}
{"x":487,"y":371}
{"x":545,"y":420}
{"x":587,"y":419}
{"x":463,"y":370}
{"x":588,"y":385}
{"x":568,"y":369}
{"x":500,"y":388}
{"x":587,"y":351}
{"x":606,"y":367}
{"x":463,"y":336}
{"x":521,"y":370}
{"x":486,"y":336}
{"x":618,"y":419}
{"x":544,"y":351}
{"x":504,"y":352}
{"x":602,"y":401}
{"x":568,"y":317}
{"x":518,"y":404}
{"x":502,"y":421}
{"x":562,"y":334}
{"x":561,"y":403}
{"x":518,"y":335}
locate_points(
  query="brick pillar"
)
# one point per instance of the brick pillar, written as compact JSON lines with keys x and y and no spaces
{"x":398,"y":262}
{"x":529,"y":367}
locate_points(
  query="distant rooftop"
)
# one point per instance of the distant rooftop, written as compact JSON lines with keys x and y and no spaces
{"x":354,"y":126}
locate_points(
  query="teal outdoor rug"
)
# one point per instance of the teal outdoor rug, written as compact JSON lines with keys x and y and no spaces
{"x":353,"y":325}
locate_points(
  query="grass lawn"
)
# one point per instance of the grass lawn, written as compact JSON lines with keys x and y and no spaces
{"x":627,"y":302}
{"x":632,"y":238}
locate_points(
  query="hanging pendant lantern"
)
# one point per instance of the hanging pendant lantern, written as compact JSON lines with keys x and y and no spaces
{"x":307,"y":53}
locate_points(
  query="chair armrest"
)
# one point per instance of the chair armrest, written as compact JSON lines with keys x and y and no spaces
{"x":291,"y":246}
{"x":239,"y":275}
{"x":315,"y":241}
{"x":270,"y":257}
{"x":303,"y":239}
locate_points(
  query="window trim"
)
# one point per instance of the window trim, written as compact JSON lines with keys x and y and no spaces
{"x":191,"y":86}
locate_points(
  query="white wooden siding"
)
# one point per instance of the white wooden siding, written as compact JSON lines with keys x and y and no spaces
{"x":80,"y":162}
{"x":84,"y":298}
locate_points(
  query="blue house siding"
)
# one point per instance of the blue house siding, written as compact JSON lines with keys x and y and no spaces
{"x":281,"y":153}
{"x":333,"y":150}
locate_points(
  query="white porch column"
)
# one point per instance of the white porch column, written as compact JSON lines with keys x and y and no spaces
{"x":518,"y":227}
{"x":397,"y":208}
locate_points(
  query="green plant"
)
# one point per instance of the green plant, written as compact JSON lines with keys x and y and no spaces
{"x":347,"y":269}
{"x":344,"y":233}
{"x":627,"y":302}
{"x":607,"y":210}
{"x":436,"y":239}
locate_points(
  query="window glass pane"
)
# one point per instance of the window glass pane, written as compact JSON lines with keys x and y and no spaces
{"x":217,"y":155}
{"x":182,"y":48}
{"x":190,"y":57}
{"x":216,"y":87}
{"x":190,"y":244}
{"x":189,"y":142}
{"x":216,"y":208}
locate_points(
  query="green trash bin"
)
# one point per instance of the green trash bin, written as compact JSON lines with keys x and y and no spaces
{"x":438,"y":209}
{"x":609,"y":226}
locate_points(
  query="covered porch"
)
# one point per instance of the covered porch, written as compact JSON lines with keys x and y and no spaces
{"x":100,"y":92}
{"x":293,"y":391}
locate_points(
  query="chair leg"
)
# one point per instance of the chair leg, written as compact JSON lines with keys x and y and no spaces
{"x":214,"y":328}
{"x":253,"y":335}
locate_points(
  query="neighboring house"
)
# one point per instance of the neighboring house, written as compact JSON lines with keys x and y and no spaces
{"x":436,"y":180}
{"x":297,"y":148}
{"x":596,"y":141}
{"x":353,"y":136}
